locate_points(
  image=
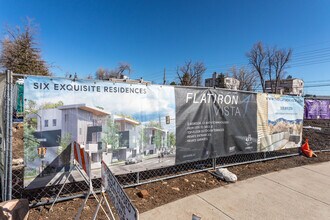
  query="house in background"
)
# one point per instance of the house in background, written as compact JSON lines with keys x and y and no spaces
{"x":129,"y":131}
{"x":85,"y":124}
{"x":151,"y":146}
{"x":49,"y":125}
{"x":80,"y":122}
{"x":221,"y":81}
{"x":291,"y":86}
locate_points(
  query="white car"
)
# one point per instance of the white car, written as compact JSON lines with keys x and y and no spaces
{"x":133,"y":160}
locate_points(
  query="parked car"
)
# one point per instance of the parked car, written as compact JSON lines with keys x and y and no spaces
{"x":167,"y":152}
{"x":133,"y":160}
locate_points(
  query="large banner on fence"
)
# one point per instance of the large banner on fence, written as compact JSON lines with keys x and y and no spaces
{"x":280,"y":121}
{"x":317,"y":109}
{"x":134,"y":127}
{"x":122,"y":123}
{"x":212,"y":123}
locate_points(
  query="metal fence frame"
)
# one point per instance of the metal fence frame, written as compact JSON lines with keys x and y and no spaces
{"x":14,"y":188}
{"x":7,"y":137}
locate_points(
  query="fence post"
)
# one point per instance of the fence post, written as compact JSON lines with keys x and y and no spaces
{"x":214,"y":162}
{"x":9,"y":135}
{"x":138,"y":177}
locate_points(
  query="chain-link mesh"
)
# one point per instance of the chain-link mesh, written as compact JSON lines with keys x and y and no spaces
{"x":318,"y":140}
{"x":76,"y":189}
{"x":48,"y":193}
{"x":133,"y":179}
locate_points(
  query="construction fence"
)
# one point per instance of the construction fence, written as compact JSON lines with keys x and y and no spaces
{"x":140,"y":146}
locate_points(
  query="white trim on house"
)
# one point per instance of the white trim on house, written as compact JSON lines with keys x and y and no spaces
{"x":95,"y":111}
{"x":128,"y":120}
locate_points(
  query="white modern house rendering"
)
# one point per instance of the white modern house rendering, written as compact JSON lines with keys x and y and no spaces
{"x":151,"y":146}
{"x":78,"y":122}
{"x":88,"y":126}
{"x":129,"y":131}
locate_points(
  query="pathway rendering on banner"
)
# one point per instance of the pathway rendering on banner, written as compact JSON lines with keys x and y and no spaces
{"x":297,"y":193}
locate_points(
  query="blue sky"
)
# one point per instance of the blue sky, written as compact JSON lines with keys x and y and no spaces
{"x":80,"y":36}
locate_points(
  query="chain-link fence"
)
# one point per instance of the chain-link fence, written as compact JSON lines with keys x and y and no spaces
{"x":71,"y":190}
{"x":45,"y":195}
{"x":319,"y":140}
{"x":147,"y":176}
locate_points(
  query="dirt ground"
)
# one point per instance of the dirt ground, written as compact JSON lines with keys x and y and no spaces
{"x":317,"y":139}
{"x":167,"y":191}
{"x":163,"y":192}
{"x":18,"y":150}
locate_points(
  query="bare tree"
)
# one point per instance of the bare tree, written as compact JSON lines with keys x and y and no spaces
{"x":269,"y":63}
{"x":118,"y":72}
{"x":257,"y":57}
{"x":280,"y":61}
{"x":247,"y":78}
{"x":101,"y":73}
{"x":122,"y":68}
{"x":191,"y":74}
{"x":20,"y":53}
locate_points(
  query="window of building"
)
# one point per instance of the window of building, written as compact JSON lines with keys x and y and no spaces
{"x":54,"y":122}
{"x":99,"y":136}
{"x":46,"y":123}
{"x":66,"y":117}
{"x":94,"y":138}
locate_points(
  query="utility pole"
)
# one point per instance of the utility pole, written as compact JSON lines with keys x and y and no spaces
{"x":160,"y":121}
{"x":164,"y":79}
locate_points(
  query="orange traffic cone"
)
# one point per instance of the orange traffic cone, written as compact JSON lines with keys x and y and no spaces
{"x":306,"y":150}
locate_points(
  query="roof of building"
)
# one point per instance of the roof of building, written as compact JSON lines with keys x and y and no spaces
{"x":285,"y":80}
{"x":95,"y":111}
{"x":155,"y":128}
{"x":317,"y":97}
{"x":125,"y":119}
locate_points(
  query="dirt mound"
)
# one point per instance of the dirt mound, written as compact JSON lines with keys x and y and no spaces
{"x":318,"y":139}
{"x":164,"y":191}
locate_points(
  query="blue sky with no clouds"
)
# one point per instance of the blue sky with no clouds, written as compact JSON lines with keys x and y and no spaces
{"x":80,"y":36}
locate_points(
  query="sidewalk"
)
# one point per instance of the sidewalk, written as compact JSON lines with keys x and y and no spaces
{"x":297,"y":193}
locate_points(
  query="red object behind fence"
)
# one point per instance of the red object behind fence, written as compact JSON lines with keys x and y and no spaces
{"x":82,"y":157}
{"x":306,"y":150}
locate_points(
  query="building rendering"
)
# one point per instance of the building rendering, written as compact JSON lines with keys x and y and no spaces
{"x":292,"y":86}
{"x":78,"y":122}
{"x":129,"y":138}
{"x":156,"y":140}
{"x":88,"y":126}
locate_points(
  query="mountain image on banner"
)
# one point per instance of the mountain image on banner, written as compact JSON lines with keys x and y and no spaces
{"x":296,"y":121}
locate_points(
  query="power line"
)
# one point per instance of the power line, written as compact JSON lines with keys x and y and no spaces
{"x":312,"y":44}
{"x":319,"y":85}
{"x":315,"y":81}
{"x":313,"y":51}
{"x":304,"y":58}
{"x":310,"y":63}
{"x":313,"y":56}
